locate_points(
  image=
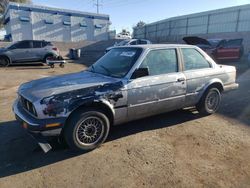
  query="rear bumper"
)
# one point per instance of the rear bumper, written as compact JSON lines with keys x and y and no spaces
{"x":231,"y":87}
{"x":45,"y":127}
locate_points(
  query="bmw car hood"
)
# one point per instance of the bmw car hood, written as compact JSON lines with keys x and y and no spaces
{"x":45,"y":87}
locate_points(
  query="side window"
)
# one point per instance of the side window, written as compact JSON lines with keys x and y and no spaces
{"x":233,"y":43}
{"x":161,"y":62}
{"x":142,"y":42}
{"x":194,"y":60}
{"x":133,"y":42}
{"x":23,"y":45}
{"x":37,"y":44}
{"x":44,"y":43}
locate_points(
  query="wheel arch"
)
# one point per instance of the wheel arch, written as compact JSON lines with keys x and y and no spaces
{"x":102,"y":105}
{"x":6,"y":56}
{"x":47,"y":55}
{"x":217,"y":83}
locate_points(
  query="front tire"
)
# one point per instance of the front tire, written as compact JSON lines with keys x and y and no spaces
{"x":210,"y":102}
{"x":86,"y":130}
{"x":4,"y":62}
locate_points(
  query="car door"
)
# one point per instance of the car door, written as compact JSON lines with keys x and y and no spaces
{"x":37,"y":51}
{"x":198,"y":71}
{"x":162,"y":90}
{"x":229,"y":49}
{"x":21,"y":51}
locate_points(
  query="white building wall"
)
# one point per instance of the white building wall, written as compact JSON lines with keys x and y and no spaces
{"x":59,"y":26}
{"x":100,"y":33}
{"x":79,"y":31}
{"x":20,"y":30}
{"x":7,"y":26}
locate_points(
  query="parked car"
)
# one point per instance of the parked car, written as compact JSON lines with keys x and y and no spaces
{"x":123,"y":36}
{"x":219,"y":49}
{"x":126,"y":84}
{"x":27,"y":51}
{"x":130,"y":42}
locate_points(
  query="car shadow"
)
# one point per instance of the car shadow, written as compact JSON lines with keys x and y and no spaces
{"x":20,"y":152}
{"x":31,"y":66}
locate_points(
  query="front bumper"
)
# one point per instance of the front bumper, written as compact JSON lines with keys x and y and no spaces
{"x":47,"y":127}
{"x":38,"y":128}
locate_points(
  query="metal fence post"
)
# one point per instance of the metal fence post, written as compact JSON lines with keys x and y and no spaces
{"x":208,"y":23}
{"x":237,"y":21}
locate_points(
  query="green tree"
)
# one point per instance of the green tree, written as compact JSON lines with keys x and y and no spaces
{"x":124,"y":32}
{"x":140,"y":24}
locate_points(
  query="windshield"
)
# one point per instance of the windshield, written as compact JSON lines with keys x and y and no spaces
{"x":122,"y":43}
{"x":117,"y":62}
{"x":10,"y":45}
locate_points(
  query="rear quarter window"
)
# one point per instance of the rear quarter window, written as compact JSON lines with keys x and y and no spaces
{"x":194,"y":60}
{"x":37,"y":44}
{"x":44,"y":44}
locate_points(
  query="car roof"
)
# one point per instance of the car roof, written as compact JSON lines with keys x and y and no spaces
{"x":155,"y":46}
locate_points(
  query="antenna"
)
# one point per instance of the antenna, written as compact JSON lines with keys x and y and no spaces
{"x":97,"y":4}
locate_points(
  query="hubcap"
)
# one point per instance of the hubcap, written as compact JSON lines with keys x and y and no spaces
{"x":90,"y":131}
{"x":212,"y":101}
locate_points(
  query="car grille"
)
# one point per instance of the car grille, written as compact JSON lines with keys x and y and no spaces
{"x":27,"y":105}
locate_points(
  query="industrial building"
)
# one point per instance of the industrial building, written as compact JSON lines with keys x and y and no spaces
{"x":23,"y":21}
{"x":227,"y":23}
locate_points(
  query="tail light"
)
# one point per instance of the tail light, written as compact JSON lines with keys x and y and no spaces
{"x":55,"y":49}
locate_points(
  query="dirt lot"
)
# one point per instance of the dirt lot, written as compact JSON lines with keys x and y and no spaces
{"x":177,"y":149}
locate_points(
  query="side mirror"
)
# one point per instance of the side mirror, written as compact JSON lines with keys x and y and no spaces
{"x":141,"y":72}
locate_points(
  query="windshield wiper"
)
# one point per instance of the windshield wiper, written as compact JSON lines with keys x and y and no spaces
{"x":106,"y":69}
{"x":92,"y":68}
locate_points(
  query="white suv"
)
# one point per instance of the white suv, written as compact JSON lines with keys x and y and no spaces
{"x":27,"y":51}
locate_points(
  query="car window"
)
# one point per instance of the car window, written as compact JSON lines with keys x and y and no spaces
{"x":23,"y":45}
{"x":117,"y":62}
{"x":45,"y":43}
{"x":194,"y":60}
{"x":37,"y":44}
{"x":142,"y":42}
{"x":233,"y":43}
{"x":160,"y":62}
{"x":133,"y":42}
{"x":122,"y":43}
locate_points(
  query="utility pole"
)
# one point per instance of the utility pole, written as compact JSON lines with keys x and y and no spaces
{"x":97,"y":4}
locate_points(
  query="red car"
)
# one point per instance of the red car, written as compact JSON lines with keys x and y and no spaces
{"x":219,"y":49}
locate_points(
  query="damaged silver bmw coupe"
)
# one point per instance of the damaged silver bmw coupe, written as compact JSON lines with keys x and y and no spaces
{"x":126,"y":84}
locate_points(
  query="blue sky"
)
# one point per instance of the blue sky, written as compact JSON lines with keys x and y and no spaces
{"x":125,"y":14}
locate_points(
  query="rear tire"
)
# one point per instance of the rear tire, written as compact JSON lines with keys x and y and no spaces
{"x":86,"y":130}
{"x":4,"y":62}
{"x":47,"y":56}
{"x":210,"y":102}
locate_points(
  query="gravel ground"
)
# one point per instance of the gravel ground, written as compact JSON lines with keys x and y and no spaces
{"x":177,"y":149}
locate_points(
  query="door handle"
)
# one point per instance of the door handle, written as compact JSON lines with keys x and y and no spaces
{"x":180,"y":79}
